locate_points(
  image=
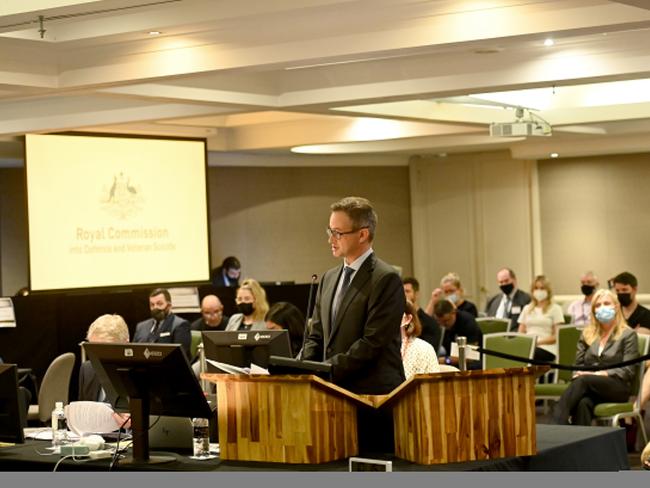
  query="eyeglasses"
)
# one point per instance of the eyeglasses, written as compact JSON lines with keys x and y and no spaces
{"x":337,"y":234}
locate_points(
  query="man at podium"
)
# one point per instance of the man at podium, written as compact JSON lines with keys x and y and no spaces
{"x":359,"y":307}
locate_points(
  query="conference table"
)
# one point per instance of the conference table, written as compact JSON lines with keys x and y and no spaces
{"x":559,"y":448}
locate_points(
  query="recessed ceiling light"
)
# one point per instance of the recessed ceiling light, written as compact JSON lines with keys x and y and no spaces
{"x":549,"y":42}
{"x":154,"y":33}
{"x":554,"y":155}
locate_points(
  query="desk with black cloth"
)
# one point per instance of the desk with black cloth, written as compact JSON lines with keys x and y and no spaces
{"x":559,"y":448}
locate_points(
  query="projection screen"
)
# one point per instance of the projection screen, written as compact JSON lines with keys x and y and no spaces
{"x":109,"y":211}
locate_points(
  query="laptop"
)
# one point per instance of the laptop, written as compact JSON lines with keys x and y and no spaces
{"x":170,"y":433}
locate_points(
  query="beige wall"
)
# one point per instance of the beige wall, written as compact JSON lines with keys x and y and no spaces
{"x":13,"y":231}
{"x":472,"y":214}
{"x":594,"y":216}
{"x":274,"y":219}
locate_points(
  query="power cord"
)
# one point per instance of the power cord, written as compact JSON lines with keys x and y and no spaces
{"x":116,"y":454}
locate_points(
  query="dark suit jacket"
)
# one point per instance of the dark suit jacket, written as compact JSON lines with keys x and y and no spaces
{"x":89,"y":385}
{"x":615,"y":351}
{"x":520,"y":300}
{"x":173,"y":330}
{"x":363,"y":345}
{"x":216,"y":277}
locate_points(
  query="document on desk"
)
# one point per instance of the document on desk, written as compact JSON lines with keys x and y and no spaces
{"x":44,"y":434}
{"x":90,"y":418}
{"x":229,"y":368}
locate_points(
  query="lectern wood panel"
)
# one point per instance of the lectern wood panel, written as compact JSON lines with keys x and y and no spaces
{"x":457,"y":417}
{"x":288,"y":419}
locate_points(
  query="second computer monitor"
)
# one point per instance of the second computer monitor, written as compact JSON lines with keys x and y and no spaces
{"x":243,"y":348}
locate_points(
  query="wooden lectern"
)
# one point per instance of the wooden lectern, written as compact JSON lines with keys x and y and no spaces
{"x":285,"y":419}
{"x":464,"y":416}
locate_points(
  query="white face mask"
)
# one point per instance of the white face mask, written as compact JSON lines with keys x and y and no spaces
{"x":540,"y":295}
{"x":453,"y":298}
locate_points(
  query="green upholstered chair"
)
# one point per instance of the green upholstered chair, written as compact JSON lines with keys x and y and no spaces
{"x":194,"y":345}
{"x":613,"y":412}
{"x":491,"y":325}
{"x":567,"y":345}
{"x":510,"y":343}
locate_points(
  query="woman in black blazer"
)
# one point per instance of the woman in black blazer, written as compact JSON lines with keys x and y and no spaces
{"x":606,"y":340}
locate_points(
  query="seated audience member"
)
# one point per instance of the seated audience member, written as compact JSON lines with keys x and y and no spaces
{"x":164,"y":327}
{"x":106,"y":328}
{"x":580,"y":310}
{"x":456,"y":323}
{"x":452,"y":290}
{"x":228,"y":273}
{"x":606,"y":340}
{"x":636,"y":315}
{"x":541,"y":318}
{"x":431,"y":331}
{"x":252,"y":306}
{"x":418,"y":356}
{"x":212,"y":317}
{"x":286,"y":316}
{"x":509,"y":303}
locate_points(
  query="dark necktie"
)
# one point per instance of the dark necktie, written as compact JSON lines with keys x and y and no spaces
{"x":347,"y":273}
{"x":154,"y":331}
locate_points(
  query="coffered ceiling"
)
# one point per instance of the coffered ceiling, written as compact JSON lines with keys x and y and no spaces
{"x":371,"y":77}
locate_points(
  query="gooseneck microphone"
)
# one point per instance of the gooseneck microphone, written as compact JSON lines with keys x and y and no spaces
{"x":314,"y":279}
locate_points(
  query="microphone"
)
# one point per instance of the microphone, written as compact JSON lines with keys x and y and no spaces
{"x":314,"y":279}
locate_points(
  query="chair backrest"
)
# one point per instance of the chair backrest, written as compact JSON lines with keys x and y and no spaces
{"x":522,"y":345}
{"x":492,"y":325}
{"x":567,"y":346}
{"x":194,"y":345}
{"x":55,"y":385}
{"x":568,"y":318}
{"x":644,"y":347}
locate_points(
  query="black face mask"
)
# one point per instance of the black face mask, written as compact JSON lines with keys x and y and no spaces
{"x":624,"y":298}
{"x":245,"y":308}
{"x":587,"y":289}
{"x":507,"y":289}
{"x":158,"y":314}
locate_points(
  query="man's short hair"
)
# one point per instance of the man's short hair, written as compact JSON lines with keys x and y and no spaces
{"x":360,"y":212}
{"x":510,"y":272}
{"x":626,"y":278}
{"x":443,"y":307}
{"x":409,"y":280}
{"x":108,"y":328}
{"x":161,"y":291}
{"x":231,"y":262}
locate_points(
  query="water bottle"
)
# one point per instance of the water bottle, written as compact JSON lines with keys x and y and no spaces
{"x":201,"y":437}
{"x":59,"y":425}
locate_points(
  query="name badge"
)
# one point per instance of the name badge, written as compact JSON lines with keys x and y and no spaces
{"x":513,"y":310}
{"x":165,"y":334}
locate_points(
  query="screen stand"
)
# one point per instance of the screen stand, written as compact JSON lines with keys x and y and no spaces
{"x":139,"y":408}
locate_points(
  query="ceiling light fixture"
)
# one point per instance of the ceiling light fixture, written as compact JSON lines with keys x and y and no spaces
{"x":549,"y":42}
{"x":554,"y":155}
{"x":154,"y":33}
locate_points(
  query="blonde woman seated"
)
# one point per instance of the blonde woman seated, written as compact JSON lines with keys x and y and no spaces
{"x":541,"y":318}
{"x":418,"y":356}
{"x":251,"y":305}
{"x":607,"y":340}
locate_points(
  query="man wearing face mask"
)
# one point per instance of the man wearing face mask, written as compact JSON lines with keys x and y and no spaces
{"x":636,"y":315}
{"x":580,"y":310}
{"x":164,"y":327}
{"x":228,"y":273}
{"x":509,"y":303}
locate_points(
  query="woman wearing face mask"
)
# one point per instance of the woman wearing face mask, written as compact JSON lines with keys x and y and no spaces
{"x":418,"y":356}
{"x":606,"y":340}
{"x":541,"y":318}
{"x":251,"y":305}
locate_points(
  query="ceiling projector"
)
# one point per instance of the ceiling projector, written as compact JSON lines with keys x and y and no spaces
{"x":520,"y":128}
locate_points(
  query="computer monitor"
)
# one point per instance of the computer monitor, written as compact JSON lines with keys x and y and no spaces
{"x":147,"y":379}
{"x":243,"y":348}
{"x":11,"y":415}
